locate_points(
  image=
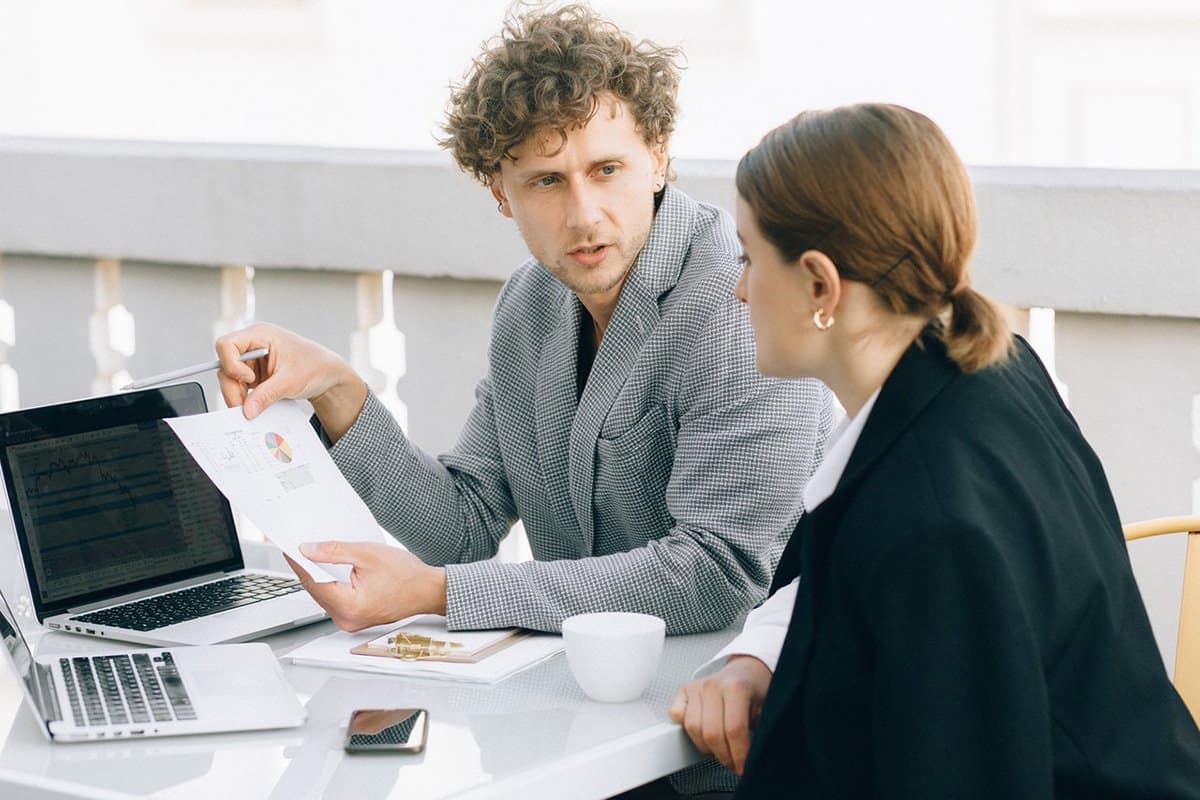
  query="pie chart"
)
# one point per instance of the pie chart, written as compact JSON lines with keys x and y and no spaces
{"x":278,"y":447}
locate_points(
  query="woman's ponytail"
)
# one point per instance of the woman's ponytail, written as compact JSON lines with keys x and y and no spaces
{"x":976,"y":334}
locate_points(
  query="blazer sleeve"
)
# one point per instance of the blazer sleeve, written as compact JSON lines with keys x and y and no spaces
{"x":387,"y":470}
{"x":745,"y":446}
{"x":960,"y":704}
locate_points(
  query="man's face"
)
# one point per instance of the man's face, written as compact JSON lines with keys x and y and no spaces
{"x":585,"y":211}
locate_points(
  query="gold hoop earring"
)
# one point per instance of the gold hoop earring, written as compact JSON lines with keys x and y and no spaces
{"x":818,"y":324}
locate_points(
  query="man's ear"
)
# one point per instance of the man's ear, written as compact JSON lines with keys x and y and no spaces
{"x":497,"y":187}
{"x":824,"y":283}
{"x":661,"y":154}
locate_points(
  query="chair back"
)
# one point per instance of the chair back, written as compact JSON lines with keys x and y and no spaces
{"x":1187,"y":649}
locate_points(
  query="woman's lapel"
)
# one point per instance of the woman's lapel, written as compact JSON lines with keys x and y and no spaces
{"x":921,"y":374}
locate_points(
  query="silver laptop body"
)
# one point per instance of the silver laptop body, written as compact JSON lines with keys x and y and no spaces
{"x":141,"y":693}
{"x":122,"y":534}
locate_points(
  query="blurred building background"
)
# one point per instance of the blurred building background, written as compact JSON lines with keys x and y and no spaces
{"x":1101,"y":83}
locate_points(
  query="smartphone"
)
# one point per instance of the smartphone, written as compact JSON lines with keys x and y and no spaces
{"x":387,"y":730}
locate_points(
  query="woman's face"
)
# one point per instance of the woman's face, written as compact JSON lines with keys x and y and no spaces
{"x":777,"y":294}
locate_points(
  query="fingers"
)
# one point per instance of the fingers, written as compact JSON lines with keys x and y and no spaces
{"x":236,"y":376}
{"x":300,"y":571}
{"x":715,"y":713}
{"x":338,"y":599}
{"x":264,"y":394}
{"x":712,"y":722}
{"x":335,"y":552}
{"x":693,"y":720}
{"x":339,"y":602}
{"x":232,"y":390}
{"x":231,"y":346}
{"x":678,"y":705}
{"x":737,"y":729}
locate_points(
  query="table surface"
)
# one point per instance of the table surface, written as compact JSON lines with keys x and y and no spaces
{"x":532,"y":735}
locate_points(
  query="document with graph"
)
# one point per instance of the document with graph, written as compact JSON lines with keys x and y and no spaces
{"x":275,"y":470}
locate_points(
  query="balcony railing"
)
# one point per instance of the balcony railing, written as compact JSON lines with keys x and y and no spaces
{"x":127,"y":258}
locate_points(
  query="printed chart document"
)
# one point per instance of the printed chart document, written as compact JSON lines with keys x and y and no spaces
{"x":275,"y":470}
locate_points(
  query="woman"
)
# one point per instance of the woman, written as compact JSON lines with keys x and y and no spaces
{"x":967,"y":624}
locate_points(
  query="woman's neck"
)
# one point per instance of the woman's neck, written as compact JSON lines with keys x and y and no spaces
{"x":865,"y":361}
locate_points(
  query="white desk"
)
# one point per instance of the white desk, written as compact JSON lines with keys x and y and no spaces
{"x":532,"y":736}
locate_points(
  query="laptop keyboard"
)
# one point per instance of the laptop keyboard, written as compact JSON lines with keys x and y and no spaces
{"x":125,"y":689}
{"x":192,"y":603}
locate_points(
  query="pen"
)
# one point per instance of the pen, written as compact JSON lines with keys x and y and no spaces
{"x":249,"y":355}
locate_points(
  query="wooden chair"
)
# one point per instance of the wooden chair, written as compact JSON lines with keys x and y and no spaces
{"x":1187,"y":649}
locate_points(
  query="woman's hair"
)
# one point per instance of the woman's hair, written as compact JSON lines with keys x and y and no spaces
{"x":880,"y":190}
{"x":546,"y":71}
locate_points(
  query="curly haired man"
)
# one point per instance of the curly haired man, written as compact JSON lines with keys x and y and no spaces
{"x":621,"y":417}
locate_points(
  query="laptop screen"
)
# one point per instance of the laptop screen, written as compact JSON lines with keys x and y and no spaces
{"x":107,"y":501}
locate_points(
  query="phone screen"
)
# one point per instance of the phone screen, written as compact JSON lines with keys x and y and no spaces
{"x":397,"y":730}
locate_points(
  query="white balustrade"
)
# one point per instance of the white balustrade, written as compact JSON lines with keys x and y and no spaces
{"x":1041,"y":338}
{"x":111,"y":329}
{"x":377,"y":347}
{"x":237,"y":300}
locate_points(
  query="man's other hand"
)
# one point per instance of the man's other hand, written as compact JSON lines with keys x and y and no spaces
{"x":386,"y":584}
{"x":294,"y":367}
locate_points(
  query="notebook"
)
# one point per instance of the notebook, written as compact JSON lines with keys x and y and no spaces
{"x":143,"y":693}
{"x":486,"y":656}
{"x":122,"y":534}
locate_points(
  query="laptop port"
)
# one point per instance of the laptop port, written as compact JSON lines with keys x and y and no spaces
{"x":136,"y":733}
{"x":89,"y":630}
{"x":54,"y":625}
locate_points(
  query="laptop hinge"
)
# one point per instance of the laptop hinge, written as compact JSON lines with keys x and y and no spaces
{"x":48,"y":694}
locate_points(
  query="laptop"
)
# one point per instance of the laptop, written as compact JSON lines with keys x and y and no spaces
{"x":123,"y":535}
{"x":127,"y":695}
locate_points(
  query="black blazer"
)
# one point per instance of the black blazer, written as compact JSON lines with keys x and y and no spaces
{"x":967,"y":624}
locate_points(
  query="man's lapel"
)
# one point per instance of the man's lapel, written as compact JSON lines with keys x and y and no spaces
{"x":653,"y":274}
{"x":555,"y":411}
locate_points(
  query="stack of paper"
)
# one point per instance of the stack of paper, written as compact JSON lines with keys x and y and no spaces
{"x":334,"y":651}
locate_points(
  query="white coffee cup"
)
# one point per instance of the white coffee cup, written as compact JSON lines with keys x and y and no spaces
{"x":613,"y":655}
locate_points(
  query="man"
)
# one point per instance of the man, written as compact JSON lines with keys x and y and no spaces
{"x":621,"y":419}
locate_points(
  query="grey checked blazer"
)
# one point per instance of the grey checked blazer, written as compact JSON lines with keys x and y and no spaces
{"x":670,"y":489}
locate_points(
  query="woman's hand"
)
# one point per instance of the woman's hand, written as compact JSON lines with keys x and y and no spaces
{"x":719,"y":710}
{"x":294,"y":367}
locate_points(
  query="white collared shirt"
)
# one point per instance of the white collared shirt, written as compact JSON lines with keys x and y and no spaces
{"x":766,"y":626}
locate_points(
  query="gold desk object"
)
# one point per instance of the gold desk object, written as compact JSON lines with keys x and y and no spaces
{"x":410,"y":646}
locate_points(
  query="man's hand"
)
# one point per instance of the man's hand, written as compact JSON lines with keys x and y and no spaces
{"x":386,"y":584}
{"x":294,"y":367}
{"x":719,"y":710}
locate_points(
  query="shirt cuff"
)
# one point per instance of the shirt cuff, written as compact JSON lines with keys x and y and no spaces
{"x":764,"y":643}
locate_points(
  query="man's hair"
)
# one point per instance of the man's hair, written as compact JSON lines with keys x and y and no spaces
{"x":546,"y":71}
